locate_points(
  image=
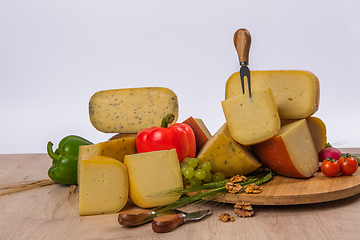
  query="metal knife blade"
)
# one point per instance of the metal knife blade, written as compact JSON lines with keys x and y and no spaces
{"x":167,"y":223}
{"x":242,"y":42}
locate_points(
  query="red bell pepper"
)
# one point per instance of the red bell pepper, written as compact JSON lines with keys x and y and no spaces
{"x":179,"y":136}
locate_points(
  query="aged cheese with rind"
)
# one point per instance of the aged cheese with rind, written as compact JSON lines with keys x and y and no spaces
{"x":103,"y":186}
{"x":228,"y":156}
{"x":202,"y":134}
{"x":130,"y":110}
{"x":151,"y":175}
{"x":252,"y":120}
{"x":116,"y":149}
{"x":296,"y":92}
{"x":317,"y":129}
{"x":291,"y":153}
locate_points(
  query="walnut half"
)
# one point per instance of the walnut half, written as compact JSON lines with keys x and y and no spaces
{"x":252,"y":188}
{"x":225,"y":217}
{"x":233,"y":187}
{"x":243,"y":209}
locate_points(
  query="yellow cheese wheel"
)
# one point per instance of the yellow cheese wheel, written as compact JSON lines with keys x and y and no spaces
{"x":296,"y":92}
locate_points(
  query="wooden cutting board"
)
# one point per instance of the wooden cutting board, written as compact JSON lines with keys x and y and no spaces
{"x":290,"y":191}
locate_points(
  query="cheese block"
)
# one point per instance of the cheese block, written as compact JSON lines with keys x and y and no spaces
{"x":116,"y":149}
{"x":228,"y":156}
{"x":317,"y":129}
{"x":296,"y":93}
{"x":202,"y":134}
{"x":152,"y":175}
{"x":291,"y":153}
{"x":122,"y":135}
{"x":130,"y":110}
{"x":252,"y":120}
{"x":103,"y":186}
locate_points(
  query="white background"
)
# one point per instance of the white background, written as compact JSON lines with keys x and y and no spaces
{"x":54,"y":55}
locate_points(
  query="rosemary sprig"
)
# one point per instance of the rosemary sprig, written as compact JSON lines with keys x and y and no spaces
{"x":214,"y":190}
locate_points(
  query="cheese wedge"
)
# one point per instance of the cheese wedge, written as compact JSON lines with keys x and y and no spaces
{"x":151,"y":175}
{"x":291,"y":153}
{"x":202,"y":134}
{"x":296,"y":93}
{"x":317,"y":129}
{"x":103,"y":186}
{"x":252,"y":120}
{"x":228,"y":156}
{"x":130,"y":110}
{"x":116,"y":149}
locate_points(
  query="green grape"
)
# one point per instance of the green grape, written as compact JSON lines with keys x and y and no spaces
{"x":183,"y":164}
{"x":218,"y":177}
{"x":185,"y":160}
{"x":195,"y":182}
{"x":192,"y":162}
{"x":189,"y":172}
{"x":185,"y":181}
{"x":182,"y":168}
{"x":206,"y":166}
{"x":208,"y":177}
{"x":199,"y":161}
{"x":200,"y":174}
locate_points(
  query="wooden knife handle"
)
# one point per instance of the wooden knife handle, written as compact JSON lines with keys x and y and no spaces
{"x":135,"y":218}
{"x":242,"y":42}
{"x":167,"y":223}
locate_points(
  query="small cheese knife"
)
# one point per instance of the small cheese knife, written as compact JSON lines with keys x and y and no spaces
{"x":167,"y":223}
{"x":133,"y":218}
{"x":242,"y":42}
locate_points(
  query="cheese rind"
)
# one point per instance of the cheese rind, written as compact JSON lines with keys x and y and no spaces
{"x":291,"y":153}
{"x":296,"y":93}
{"x":103,"y":186}
{"x":202,"y":134}
{"x":317,"y":129}
{"x":252,"y":120}
{"x":151,"y":175}
{"x":228,"y":156}
{"x":130,"y":110}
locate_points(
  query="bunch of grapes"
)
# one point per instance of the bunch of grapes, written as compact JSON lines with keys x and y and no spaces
{"x":196,"y":172}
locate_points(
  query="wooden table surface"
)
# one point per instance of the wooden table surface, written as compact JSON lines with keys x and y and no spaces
{"x":50,"y":213}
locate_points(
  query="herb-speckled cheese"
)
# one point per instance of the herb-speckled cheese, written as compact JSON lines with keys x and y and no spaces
{"x":130,"y":110}
{"x":228,"y":156}
{"x":296,"y":93}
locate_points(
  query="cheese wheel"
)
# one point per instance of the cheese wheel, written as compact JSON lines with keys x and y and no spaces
{"x":296,"y":93}
{"x":130,"y":110}
{"x":291,"y":153}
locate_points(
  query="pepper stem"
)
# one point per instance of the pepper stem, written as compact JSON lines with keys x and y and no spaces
{"x":51,"y":153}
{"x":168,"y":119}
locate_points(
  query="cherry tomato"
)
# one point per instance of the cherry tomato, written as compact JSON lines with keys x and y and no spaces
{"x":330,"y":168}
{"x":348,"y":165}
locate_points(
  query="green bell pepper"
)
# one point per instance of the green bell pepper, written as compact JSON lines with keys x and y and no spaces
{"x":65,"y":158}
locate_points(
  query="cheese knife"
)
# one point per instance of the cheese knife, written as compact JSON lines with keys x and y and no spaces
{"x":133,"y":218}
{"x":167,"y":223}
{"x":242,"y":42}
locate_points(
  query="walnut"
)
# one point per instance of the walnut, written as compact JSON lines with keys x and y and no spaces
{"x":243,"y":209}
{"x":225,"y":217}
{"x":238,"y":178}
{"x":233,"y":188}
{"x":252,"y":188}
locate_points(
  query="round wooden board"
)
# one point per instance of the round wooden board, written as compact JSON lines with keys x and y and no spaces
{"x":290,"y":191}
